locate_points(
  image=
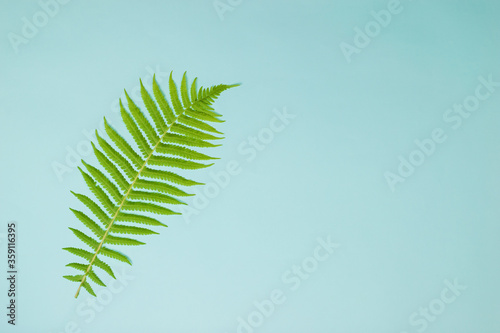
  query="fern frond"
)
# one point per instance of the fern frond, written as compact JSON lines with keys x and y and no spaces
{"x":132,"y":182}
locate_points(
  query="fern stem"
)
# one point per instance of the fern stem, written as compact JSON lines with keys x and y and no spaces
{"x":128,"y":192}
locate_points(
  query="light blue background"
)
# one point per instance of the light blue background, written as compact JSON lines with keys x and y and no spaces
{"x":323,"y":175}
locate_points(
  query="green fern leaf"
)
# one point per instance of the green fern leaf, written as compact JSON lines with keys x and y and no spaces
{"x":176,"y":163}
{"x":126,"y":217}
{"x":182,"y":151}
{"x":128,"y":229}
{"x":89,"y":289}
{"x":99,"y":193}
{"x":160,"y":187}
{"x":91,"y":274}
{"x":197,"y":124}
{"x":75,"y":278}
{"x":115,"y":255}
{"x":94,"y":208}
{"x":113,"y":240}
{"x":188,"y":131}
{"x":89,"y":223}
{"x":203,"y":116}
{"x":131,"y":182}
{"x":169,"y":176}
{"x":160,"y":124}
{"x":143,"y":123}
{"x":123,"y":145}
{"x":117,"y":159}
{"x":174,"y":97}
{"x":147,"y":207}
{"x":184,"y":91}
{"x":90,"y":257}
{"x":140,"y":140}
{"x":188,"y":141}
{"x":157,"y":197}
{"x":162,"y":103}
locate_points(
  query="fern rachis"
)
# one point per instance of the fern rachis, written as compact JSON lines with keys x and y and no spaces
{"x":161,"y":144}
